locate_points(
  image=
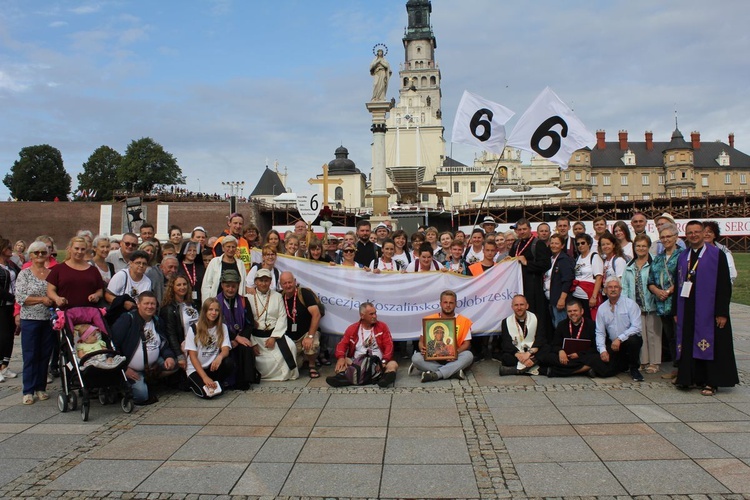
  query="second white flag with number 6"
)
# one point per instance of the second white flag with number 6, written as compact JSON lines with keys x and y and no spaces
{"x":481,"y":123}
{"x":550,"y":129}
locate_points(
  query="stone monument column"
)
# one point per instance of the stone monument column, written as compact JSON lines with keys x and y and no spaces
{"x":378,"y":107}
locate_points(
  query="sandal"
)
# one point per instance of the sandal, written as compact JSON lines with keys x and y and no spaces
{"x":708,"y":391}
{"x":652,"y":369}
{"x":314,"y":373}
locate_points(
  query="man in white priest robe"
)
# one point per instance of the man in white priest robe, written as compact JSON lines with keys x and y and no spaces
{"x":275,"y":353}
{"x":522,"y":341}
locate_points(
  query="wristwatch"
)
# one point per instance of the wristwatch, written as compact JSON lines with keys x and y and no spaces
{"x":310,"y":336}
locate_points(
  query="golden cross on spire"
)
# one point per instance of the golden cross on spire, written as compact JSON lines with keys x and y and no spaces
{"x":325,"y":181}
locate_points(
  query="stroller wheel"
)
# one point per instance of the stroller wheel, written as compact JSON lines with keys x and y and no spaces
{"x":127,"y":405}
{"x":85,"y":412}
{"x":73,"y":400}
{"x":102,"y":396}
{"x":62,"y":402}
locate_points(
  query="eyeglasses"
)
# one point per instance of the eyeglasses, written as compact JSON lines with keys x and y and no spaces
{"x":581,"y":243}
{"x":39,"y":253}
{"x":348,"y":250}
{"x":269,"y":255}
{"x":129,"y":245}
{"x":140,"y":263}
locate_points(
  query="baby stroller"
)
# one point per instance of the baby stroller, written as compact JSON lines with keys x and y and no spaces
{"x":82,"y":381}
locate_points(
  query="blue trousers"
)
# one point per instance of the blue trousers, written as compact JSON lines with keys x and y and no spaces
{"x":37,"y":343}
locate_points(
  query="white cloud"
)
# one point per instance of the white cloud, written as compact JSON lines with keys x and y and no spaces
{"x":57,"y":24}
{"x":90,"y":8}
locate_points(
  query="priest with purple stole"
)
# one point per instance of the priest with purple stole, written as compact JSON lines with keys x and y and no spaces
{"x":705,"y":350}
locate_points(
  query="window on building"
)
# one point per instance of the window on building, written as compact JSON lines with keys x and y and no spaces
{"x":606,"y":180}
{"x":425,"y":197}
{"x":646,"y":196}
{"x":661,"y":179}
{"x":684,"y":174}
{"x":473,"y":187}
{"x":671,"y":193}
{"x":624,"y":180}
{"x":567,"y":176}
{"x":607,"y":197}
{"x":579,"y":194}
{"x":743,"y":178}
{"x":593,"y":197}
{"x":578,"y":176}
{"x":455,"y":187}
{"x":645,"y":179}
{"x":578,"y":158}
{"x":594,"y":180}
{"x":684,"y":192}
{"x":672,"y":176}
{"x":624,"y":197}
{"x":671,"y":157}
{"x":727,"y":178}
{"x":704,"y":180}
{"x":338,"y":193}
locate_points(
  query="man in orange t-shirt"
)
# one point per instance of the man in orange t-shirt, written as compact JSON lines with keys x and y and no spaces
{"x":436,"y":370}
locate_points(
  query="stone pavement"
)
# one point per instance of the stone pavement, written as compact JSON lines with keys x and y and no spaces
{"x":483,"y":437}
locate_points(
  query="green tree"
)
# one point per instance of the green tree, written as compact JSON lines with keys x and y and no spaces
{"x":38,"y":175}
{"x":100,"y":173}
{"x":146,"y":164}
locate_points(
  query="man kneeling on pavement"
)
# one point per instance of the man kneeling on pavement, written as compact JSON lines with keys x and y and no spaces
{"x":522,"y":341}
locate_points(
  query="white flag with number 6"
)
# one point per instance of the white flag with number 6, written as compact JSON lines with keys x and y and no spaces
{"x":481,"y":123}
{"x":550,"y":129}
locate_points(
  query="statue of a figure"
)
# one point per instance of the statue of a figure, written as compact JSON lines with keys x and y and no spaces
{"x":381,"y":72}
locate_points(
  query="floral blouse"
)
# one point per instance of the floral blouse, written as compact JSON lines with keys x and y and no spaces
{"x":663,"y":275}
{"x":28,"y":285}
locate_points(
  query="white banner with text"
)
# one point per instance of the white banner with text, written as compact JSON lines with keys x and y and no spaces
{"x":403,"y":299}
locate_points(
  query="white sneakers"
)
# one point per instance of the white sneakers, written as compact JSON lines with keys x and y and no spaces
{"x":8,"y":373}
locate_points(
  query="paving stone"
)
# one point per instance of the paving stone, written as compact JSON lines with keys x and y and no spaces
{"x":612,"y":430}
{"x":666,"y":395}
{"x":528,"y":415}
{"x":291,"y":432}
{"x":194,"y":477}
{"x":598,"y":414}
{"x":576,"y":398}
{"x":664,"y":477}
{"x":45,"y":428}
{"x":732,"y":473}
{"x":262,"y":479}
{"x":424,"y":401}
{"x":242,"y":416}
{"x":235,"y":430}
{"x":11,"y":468}
{"x":328,"y":450}
{"x":428,"y":481}
{"x":651,"y":413}
{"x":349,"y":432}
{"x":536,"y":430}
{"x":38,"y":445}
{"x":359,"y":401}
{"x":515,"y":399}
{"x":28,"y":414}
{"x":735,"y":443}
{"x":219,"y":448}
{"x":426,"y":450}
{"x":316,"y":400}
{"x":705,"y":412}
{"x":638,"y":447}
{"x":300,"y":417}
{"x":567,"y":479}
{"x":333,"y":480}
{"x":410,"y":417}
{"x":256,"y":399}
{"x":336,"y":417}
{"x":146,"y":442}
{"x":629,"y":397}
{"x":280,"y":450}
{"x":181,"y":416}
{"x":721,"y":426}
{"x":188,"y":400}
{"x":689,"y":441}
{"x":107,"y":475}
{"x":549,"y":449}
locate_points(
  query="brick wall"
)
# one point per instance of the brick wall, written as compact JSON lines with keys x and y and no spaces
{"x":27,"y":220}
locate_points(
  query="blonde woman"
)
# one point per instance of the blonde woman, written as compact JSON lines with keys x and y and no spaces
{"x":207,"y":346}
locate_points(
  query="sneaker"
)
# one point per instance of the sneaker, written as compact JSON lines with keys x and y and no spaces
{"x":28,"y":399}
{"x":508,"y":370}
{"x":338,"y":380}
{"x":410,"y":370}
{"x":387,"y":379}
{"x":8,"y":373}
{"x":2,"y":379}
{"x":429,"y":376}
{"x":636,"y":375}
{"x":49,"y":379}
{"x":461,"y":374}
{"x":41,"y":395}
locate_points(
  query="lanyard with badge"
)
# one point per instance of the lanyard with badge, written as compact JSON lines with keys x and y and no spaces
{"x":292,"y":316}
{"x":687,"y":285}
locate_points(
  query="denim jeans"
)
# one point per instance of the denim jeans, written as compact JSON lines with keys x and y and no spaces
{"x":37,"y":343}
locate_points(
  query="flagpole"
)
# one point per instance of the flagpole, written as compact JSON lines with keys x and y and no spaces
{"x":489,"y":185}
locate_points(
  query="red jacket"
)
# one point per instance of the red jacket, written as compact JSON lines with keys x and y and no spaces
{"x":348,"y":343}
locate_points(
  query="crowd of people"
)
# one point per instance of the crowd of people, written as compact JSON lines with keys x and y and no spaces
{"x":206,"y":314}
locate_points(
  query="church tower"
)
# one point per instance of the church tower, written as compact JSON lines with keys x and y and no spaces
{"x":415,"y":147}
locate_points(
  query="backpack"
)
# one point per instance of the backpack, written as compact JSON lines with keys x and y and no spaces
{"x":365,"y":370}
{"x":318,"y":303}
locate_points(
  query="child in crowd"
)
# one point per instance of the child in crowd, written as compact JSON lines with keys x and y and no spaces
{"x":90,"y":341}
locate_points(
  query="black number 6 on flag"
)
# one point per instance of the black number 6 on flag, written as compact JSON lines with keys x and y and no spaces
{"x":477,"y":121}
{"x":545,"y":130}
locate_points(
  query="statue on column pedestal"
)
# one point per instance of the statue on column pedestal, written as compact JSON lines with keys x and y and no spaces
{"x":381,"y":72}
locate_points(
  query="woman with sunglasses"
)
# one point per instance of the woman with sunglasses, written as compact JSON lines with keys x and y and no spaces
{"x":269,"y":257}
{"x":589,"y":270}
{"x":37,"y":336}
{"x":347,"y":257}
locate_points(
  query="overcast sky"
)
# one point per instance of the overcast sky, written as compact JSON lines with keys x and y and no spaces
{"x":229,"y":86}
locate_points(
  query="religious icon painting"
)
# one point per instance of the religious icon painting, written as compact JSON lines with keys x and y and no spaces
{"x":440,"y":339}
